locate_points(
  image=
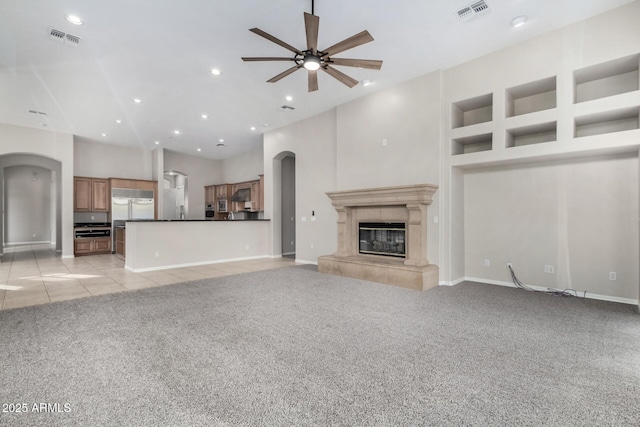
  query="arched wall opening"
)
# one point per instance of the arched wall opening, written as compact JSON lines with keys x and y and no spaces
{"x":283,"y":214}
{"x":30,"y":200}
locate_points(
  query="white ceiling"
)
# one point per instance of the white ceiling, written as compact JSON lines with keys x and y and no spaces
{"x":162,"y":51}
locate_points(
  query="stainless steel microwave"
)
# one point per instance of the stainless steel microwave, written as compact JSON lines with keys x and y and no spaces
{"x":222,"y":205}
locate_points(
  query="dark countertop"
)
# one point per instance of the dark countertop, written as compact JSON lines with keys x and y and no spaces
{"x":195,"y":220}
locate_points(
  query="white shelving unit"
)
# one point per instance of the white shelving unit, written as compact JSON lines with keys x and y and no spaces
{"x":537,"y":121}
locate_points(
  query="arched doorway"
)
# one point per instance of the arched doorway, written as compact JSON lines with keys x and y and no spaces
{"x":284,"y":204}
{"x":30,"y":200}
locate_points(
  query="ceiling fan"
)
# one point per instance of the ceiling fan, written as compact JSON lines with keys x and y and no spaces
{"x":313,"y":59}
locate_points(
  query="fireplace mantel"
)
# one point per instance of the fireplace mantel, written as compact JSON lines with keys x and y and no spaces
{"x":384,"y":196}
{"x":406,"y":204}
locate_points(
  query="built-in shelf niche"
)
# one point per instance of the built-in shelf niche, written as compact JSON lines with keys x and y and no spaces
{"x":607,"y":122}
{"x":607,"y":79}
{"x":534,"y":134}
{"x":472,"y":144}
{"x":472,"y":111}
{"x":531,"y":97}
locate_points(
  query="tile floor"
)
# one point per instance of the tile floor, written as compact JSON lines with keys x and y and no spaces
{"x":36,"y":274}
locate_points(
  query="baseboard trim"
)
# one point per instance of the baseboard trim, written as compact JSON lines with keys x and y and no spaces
{"x":543,"y":288}
{"x":304,"y":261}
{"x":28,"y":243}
{"x":452,"y":283}
{"x":192,"y":264}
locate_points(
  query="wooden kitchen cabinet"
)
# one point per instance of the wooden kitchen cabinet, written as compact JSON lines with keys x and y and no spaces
{"x":91,"y":195}
{"x":210,"y":194}
{"x":261,"y":196}
{"x":121,"y":241}
{"x":87,"y":246}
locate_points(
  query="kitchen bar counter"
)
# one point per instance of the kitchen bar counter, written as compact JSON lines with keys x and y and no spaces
{"x":156,"y":245}
{"x":197,"y":220}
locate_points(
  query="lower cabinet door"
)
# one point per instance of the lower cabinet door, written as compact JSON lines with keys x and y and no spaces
{"x":102,"y":245}
{"x":82,"y":246}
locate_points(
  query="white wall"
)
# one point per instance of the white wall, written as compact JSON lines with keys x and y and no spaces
{"x":98,"y":160}
{"x":580,"y":216}
{"x":53,"y":145}
{"x":313,"y":141}
{"x":243,"y":167}
{"x":392,"y":137}
{"x":28,"y":202}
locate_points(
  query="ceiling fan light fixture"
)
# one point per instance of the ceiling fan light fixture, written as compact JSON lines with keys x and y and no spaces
{"x":311,"y":62}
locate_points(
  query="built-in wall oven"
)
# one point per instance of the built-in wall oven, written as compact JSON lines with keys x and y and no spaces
{"x":91,"y":231}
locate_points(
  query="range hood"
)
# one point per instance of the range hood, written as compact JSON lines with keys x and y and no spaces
{"x":242,"y":195}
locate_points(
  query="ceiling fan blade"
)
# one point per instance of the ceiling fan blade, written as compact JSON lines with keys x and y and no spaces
{"x":351,"y":42}
{"x":266,"y":58}
{"x":313,"y":81}
{"x":311,"y":25}
{"x":276,"y":40}
{"x":360,"y":63}
{"x":339,"y":75}
{"x":284,"y":74}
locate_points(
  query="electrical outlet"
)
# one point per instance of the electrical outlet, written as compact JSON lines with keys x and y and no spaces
{"x":613,"y":275}
{"x":509,"y":265}
{"x":487,"y":262}
{"x":549,"y":269}
{"x":157,"y":254}
{"x":312,"y":246}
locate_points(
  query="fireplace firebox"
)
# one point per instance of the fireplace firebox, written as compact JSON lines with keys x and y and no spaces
{"x":382,"y":238}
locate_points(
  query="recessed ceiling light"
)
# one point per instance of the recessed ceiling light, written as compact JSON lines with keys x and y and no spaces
{"x":221,"y":140}
{"x":118,"y":121}
{"x":518,"y":21}
{"x":137,"y":100}
{"x":204,"y":116}
{"x":177,"y":132}
{"x":252,"y":128}
{"x":104,"y":134}
{"x":215,"y":72}
{"x":289,"y":98}
{"x":199,"y":149}
{"x":75,"y":20}
{"x":266,"y":125}
{"x":157,"y":142}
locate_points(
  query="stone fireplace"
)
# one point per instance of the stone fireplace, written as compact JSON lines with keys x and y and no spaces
{"x":382,"y":236}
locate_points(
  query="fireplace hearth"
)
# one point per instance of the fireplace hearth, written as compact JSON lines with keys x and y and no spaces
{"x":382,"y":236}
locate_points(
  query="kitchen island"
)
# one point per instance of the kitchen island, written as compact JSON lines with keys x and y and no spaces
{"x":162,"y":244}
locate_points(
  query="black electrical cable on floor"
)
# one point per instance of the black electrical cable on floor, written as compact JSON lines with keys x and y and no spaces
{"x":550,"y":291}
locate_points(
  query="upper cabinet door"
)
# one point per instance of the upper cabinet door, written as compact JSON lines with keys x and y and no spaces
{"x":91,"y":195}
{"x":82,"y":194}
{"x":100,"y":199}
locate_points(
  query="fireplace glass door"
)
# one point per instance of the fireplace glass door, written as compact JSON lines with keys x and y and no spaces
{"x":381,"y":238}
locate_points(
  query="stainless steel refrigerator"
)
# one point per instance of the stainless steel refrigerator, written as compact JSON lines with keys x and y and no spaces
{"x":130,"y":205}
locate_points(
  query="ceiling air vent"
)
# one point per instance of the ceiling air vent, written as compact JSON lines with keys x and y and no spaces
{"x":286,"y":108}
{"x":62,"y":37}
{"x":56,"y":35}
{"x":469,"y":12}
